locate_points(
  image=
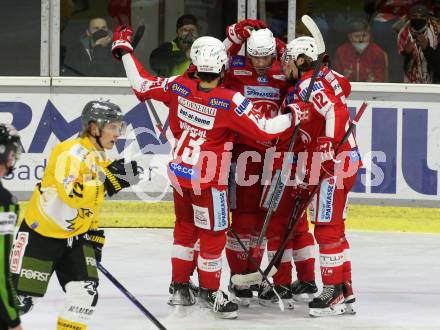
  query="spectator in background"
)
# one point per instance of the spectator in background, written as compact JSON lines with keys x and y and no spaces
{"x":91,"y":56}
{"x":417,"y":43}
{"x":172,"y":58}
{"x":360,"y":59}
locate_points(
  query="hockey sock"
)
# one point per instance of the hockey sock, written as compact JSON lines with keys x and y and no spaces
{"x":284,"y":274}
{"x":182,"y":263}
{"x":304,"y":256}
{"x":346,"y":267}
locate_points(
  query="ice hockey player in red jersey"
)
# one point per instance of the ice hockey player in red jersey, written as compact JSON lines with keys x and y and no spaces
{"x":203,"y":118}
{"x":316,"y":147}
{"x":259,"y":77}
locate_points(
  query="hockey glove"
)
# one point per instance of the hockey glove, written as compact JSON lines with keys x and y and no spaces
{"x":324,"y":146}
{"x":119,"y":175}
{"x":300,"y":111}
{"x":97,"y":239}
{"x":240,"y":31}
{"x":281,"y":48}
{"x":122,"y":38}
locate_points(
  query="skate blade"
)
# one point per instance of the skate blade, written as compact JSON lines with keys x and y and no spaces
{"x":243,"y":302}
{"x":226,"y":315}
{"x":329,"y":311}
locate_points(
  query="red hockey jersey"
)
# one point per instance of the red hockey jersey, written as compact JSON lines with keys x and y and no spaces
{"x":329,"y":116}
{"x":203,"y":124}
{"x":266,"y":92}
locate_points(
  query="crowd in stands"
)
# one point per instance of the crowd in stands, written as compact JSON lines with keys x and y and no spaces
{"x":370,"y":41}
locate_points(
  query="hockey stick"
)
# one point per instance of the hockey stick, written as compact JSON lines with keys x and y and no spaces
{"x":296,"y":214}
{"x":314,"y":30}
{"x":157,"y":119}
{"x":130,"y":297}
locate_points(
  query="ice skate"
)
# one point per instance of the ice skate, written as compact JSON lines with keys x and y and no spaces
{"x":219,"y":303}
{"x":194,"y":288}
{"x":349,"y":297}
{"x":268,"y":298}
{"x":241,"y":294}
{"x":329,"y":303}
{"x":182,"y":295}
{"x":304,"y":291}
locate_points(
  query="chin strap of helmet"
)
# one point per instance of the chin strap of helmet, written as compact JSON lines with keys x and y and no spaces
{"x":98,"y":138}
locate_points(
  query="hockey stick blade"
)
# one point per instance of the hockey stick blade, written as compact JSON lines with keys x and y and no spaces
{"x":314,"y":30}
{"x":252,"y":278}
{"x":138,"y":35}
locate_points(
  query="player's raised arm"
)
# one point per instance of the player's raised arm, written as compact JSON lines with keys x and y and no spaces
{"x":144,"y":84}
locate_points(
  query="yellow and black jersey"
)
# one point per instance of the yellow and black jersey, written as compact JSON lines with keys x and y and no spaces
{"x":67,"y":201}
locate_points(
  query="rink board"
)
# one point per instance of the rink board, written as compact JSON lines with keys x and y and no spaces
{"x":398,"y":137}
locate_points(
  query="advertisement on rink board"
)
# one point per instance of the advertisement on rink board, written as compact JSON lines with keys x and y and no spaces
{"x":398,"y":142}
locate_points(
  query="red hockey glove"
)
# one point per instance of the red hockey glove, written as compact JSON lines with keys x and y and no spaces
{"x":122,"y":38}
{"x":281,"y":48}
{"x":300,"y":111}
{"x":240,"y":31}
{"x":324,"y":146}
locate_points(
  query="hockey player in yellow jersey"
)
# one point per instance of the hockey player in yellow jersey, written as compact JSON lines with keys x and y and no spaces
{"x":60,"y":231}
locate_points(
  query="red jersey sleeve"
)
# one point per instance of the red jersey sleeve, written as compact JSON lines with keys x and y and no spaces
{"x":249,"y":121}
{"x":145,"y":85}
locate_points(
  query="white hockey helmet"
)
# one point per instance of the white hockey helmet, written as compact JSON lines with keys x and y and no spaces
{"x":261,"y":43}
{"x":211,"y":59}
{"x":202,"y":42}
{"x":302,"y":46}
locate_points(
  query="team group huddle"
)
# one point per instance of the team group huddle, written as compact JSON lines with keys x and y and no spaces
{"x":233,"y":118}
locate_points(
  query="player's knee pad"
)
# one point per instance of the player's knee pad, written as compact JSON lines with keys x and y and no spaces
{"x":81,"y":300}
{"x":25,"y":303}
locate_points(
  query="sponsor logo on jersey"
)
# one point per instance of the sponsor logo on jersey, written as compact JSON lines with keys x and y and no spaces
{"x":266,"y":107}
{"x":242,"y":107}
{"x":242,"y":73}
{"x":18,"y":252}
{"x":183,"y":171}
{"x":220,"y":209}
{"x":179,"y":89}
{"x":34,"y":275}
{"x":7,"y":222}
{"x":263,"y":79}
{"x":201,"y":217}
{"x":193,"y":131}
{"x":219,"y":103}
{"x":326,"y":200}
{"x":279,"y":77}
{"x":262,"y":92}
{"x":67,"y":181}
{"x":197,"y":106}
{"x":195,"y":118}
{"x":354,"y":155}
{"x":237,"y":61}
{"x":79,"y":152}
{"x":90,"y":261}
{"x":316,"y":87}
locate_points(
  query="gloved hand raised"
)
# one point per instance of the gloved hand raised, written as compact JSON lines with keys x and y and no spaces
{"x":122,"y":39}
{"x":240,"y":31}
{"x":119,"y":175}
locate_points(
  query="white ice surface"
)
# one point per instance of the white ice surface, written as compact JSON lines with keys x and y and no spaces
{"x":396,"y":278}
